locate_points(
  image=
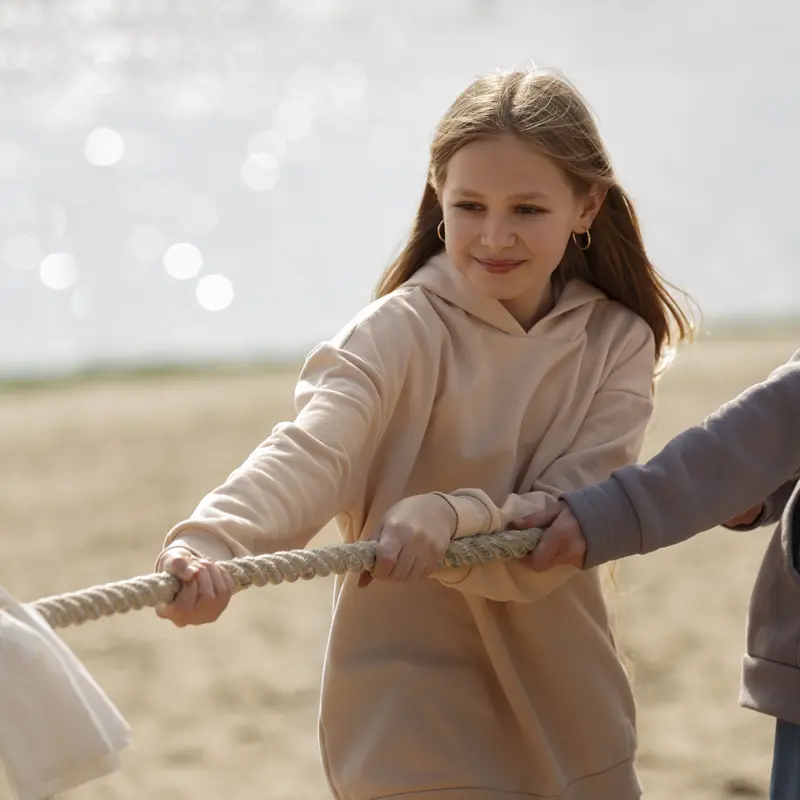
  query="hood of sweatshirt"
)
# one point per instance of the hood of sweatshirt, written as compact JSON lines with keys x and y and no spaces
{"x":571,"y":311}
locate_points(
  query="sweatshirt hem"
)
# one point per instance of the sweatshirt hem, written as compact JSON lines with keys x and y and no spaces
{"x":771,"y":688}
{"x":618,"y":782}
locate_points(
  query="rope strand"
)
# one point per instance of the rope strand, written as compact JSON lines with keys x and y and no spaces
{"x":75,"y":608}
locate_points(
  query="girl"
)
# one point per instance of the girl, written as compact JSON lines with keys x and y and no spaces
{"x":746,"y":455}
{"x":509,"y":357}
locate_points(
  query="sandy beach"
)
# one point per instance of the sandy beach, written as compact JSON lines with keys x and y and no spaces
{"x":94,"y":472}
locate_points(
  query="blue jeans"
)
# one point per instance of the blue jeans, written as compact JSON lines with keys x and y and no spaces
{"x":785,"y":781}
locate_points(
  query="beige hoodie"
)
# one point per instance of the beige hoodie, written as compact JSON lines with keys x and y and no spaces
{"x":488,"y":682}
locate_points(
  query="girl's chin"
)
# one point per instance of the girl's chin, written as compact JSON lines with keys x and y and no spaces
{"x":500,"y":287}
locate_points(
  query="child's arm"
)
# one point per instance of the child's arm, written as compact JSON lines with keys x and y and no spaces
{"x":610,"y":436}
{"x":739,"y":455}
{"x":307,"y":470}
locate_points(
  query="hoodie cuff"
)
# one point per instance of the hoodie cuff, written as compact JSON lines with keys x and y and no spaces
{"x":776,"y":503}
{"x":472,"y":514}
{"x":201,"y":543}
{"x":608,"y":520}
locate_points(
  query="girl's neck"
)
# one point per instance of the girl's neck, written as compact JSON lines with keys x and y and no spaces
{"x":527,"y":309}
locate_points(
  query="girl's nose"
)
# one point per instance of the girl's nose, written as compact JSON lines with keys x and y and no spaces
{"x":497,"y":233}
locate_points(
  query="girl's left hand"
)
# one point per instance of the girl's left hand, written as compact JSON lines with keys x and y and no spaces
{"x":412,"y":539}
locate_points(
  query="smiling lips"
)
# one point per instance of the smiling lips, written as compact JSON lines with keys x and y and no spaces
{"x":498,"y":266}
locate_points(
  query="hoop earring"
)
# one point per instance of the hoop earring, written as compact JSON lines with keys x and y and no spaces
{"x":440,"y":230}
{"x":588,"y":240}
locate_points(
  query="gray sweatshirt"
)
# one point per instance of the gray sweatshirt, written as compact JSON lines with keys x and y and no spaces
{"x":745,"y":452}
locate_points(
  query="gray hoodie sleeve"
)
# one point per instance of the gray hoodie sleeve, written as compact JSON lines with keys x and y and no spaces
{"x":740,"y":455}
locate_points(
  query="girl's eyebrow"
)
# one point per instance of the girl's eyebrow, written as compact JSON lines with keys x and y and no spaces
{"x":533,"y":195}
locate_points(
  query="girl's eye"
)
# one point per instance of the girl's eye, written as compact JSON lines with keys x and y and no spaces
{"x":469,"y":206}
{"x":529,"y":210}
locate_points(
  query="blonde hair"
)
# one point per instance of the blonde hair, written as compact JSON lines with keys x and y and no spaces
{"x":547,"y":112}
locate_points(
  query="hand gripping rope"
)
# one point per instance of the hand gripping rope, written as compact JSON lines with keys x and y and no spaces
{"x":75,"y":608}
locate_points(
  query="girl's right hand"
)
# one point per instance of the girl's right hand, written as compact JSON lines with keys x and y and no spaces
{"x":206,"y":591}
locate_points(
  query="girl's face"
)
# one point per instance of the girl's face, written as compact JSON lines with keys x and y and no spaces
{"x":508,"y":215}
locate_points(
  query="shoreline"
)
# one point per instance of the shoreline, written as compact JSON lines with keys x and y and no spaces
{"x":753,"y":330}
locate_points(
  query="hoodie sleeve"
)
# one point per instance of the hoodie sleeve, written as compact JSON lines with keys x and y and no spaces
{"x":775,"y":504}
{"x":740,"y":455}
{"x":306,"y":471}
{"x":610,"y":436}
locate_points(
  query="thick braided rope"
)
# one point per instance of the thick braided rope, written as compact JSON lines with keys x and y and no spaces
{"x":75,"y":608}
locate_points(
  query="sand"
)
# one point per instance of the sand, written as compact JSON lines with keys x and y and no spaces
{"x":93,"y":473}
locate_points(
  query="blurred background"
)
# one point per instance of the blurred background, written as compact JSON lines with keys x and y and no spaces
{"x":226,"y":180}
{"x":219,"y":185}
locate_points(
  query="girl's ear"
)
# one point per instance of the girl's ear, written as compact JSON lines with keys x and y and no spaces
{"x":590,"y":205}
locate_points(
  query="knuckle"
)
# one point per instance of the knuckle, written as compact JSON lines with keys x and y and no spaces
{"x":398,"y":529}
{"x":387,"y":551}
{"x":419,"y":535}
{"x":383,"y":569}
{"x":385,"y":564}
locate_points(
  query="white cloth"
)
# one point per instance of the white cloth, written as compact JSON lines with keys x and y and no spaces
{"x":58,"y":729}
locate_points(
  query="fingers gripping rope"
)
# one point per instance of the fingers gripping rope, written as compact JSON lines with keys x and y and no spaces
{"x":75,"y":608}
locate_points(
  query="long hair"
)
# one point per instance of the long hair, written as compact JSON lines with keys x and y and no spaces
{"x":547,"y":112}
